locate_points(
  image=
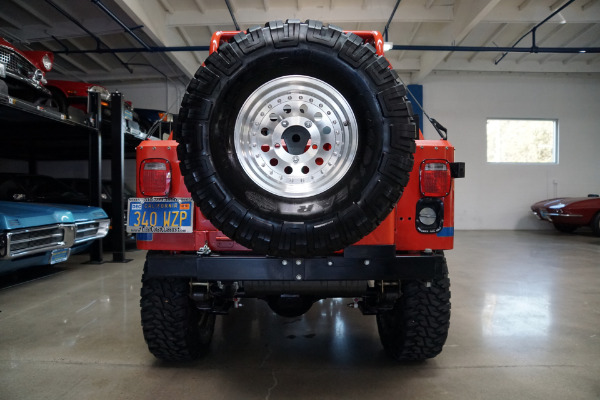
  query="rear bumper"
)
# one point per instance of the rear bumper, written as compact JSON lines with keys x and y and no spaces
{"x":358,"y":263}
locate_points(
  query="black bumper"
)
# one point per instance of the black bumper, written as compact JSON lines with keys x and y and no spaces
{"x":381,"y":263}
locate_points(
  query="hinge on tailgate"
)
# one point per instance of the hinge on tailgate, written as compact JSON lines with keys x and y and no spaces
{"x":204,"y":250}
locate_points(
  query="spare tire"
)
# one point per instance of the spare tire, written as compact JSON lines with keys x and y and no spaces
{"x":295,"y":139}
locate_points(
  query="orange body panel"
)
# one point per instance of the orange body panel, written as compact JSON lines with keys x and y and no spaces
{"x":383,"y":234}
{"x":407,"y":236}
{"x":398,"y":228}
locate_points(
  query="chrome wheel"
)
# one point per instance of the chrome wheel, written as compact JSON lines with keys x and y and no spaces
{"x":296,"y":136}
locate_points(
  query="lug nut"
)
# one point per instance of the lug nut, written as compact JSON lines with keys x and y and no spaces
{"x":308,"y":124}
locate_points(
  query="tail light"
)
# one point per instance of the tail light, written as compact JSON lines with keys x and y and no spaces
{"x":435,"y":178}
{"x":155,"y":177}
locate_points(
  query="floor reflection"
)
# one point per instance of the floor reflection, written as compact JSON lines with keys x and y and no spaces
{"x":523,"y":316}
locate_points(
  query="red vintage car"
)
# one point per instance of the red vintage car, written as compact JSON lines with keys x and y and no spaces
{"x":23,"y":73}
{"x":71,"y":95}
{"x":570,"y":213}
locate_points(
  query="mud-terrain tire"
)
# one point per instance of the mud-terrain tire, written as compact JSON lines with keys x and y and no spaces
{"x":417,"y":327}
{"x":174,"y":329}
{"x":295,"y":138}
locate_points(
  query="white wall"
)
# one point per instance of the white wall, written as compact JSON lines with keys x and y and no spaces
{"x":496,"y":196}
{"x":165,"y":96}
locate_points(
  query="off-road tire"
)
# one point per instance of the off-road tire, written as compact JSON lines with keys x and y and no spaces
{"x":417,"y":327}
{"x":377,"y":147}
{"x":174,"y":329}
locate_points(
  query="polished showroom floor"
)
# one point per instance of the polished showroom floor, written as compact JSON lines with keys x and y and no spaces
{"x":525,"y":325}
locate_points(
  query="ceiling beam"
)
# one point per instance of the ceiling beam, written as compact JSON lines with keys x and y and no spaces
{"x":34,"y":12}
{"x":508,"y":66}
{"x":491,"y":39}
{"x":523,"y":5}
{"x":411,"y":12}
{"x":467,"y":17}
{"x":588,"y":4}
{"x":593,"y":60}
{"x":558,"y":4}
{"x":94,"y":57}
{"x":200,"y":5}
{"x":167,"y":6}
{"x":554,"y":31}
{"x":573,"y":38}
{"x":151,"y":15}
{"x":189,"y":42}
{"x":411,"y":37}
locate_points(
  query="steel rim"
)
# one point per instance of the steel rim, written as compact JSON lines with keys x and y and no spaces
{"x":296,"y":136}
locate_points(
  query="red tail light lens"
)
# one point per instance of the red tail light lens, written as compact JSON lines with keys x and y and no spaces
{"x":155,"y":177}
{"x":436,"y":178}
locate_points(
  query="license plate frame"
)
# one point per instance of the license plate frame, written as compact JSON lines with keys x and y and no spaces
{"x":148,"y":215}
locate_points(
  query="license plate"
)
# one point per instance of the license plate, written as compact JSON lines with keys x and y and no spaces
{"x":59,"y":255}
{"x":168,"y":215}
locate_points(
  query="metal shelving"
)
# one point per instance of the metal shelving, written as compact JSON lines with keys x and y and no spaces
{"x":34,"y":133}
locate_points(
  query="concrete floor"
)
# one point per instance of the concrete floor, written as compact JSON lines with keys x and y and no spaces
{"x":525,"y":325}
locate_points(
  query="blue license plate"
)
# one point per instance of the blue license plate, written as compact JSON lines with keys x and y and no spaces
{"x":152,"y":215}
{"x":59,"y":255}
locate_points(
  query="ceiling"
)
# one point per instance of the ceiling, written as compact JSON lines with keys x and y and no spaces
{"x":69,"y":26}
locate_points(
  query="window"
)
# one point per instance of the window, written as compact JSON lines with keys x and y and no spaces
{"x":522,"y":141}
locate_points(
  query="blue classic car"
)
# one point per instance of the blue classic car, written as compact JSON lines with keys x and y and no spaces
{"x":41,"y":234}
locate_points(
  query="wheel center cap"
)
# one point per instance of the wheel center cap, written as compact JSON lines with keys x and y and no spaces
{"x":295,"y":139}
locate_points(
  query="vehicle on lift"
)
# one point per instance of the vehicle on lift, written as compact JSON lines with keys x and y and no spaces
{"x":293,"y":147}
{"x":44,"y":234}
{"x":71,"y":99}
{"x":570,"y":213}
{"x":23,"y":73}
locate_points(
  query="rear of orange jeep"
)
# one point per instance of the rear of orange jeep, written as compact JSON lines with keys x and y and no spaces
{"x":296,"y":174}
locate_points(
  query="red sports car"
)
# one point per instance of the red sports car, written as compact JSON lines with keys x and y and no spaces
{"x":570,"y":213}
